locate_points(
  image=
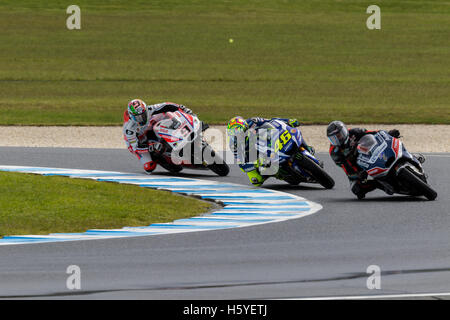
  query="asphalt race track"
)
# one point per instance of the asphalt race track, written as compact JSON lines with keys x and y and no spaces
{"x":322,"y":255}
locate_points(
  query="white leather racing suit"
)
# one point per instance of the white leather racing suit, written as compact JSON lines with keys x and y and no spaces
{"x":139,"y":138}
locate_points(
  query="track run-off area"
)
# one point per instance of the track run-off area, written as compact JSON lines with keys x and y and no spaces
{"x":322,"y":255}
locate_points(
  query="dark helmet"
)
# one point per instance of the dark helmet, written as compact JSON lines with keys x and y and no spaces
{"x":337,"y":133}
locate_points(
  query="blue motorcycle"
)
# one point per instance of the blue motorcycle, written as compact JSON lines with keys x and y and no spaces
{"x":282,"y":154}
{"x":386,"y":159}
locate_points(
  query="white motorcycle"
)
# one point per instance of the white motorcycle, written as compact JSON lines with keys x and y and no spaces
{"x":182,"y":145}
{"x":386,"y":159}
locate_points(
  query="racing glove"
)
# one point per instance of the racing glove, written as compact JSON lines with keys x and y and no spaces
{"x":186,"y":109}
{"x":310,"y":149}
{"x":204,"y":126}
{"x":395,"y":133}
{"x":257,"y":121}
{"x":293,"y":123}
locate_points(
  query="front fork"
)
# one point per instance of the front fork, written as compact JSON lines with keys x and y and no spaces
{"x":303,"y":152}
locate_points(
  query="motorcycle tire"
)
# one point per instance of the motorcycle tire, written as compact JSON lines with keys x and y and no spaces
{"x":173,"y":168}
{"x":292,"y":181}
{"x":316,"y":172}
{"x":221,"y":168}
{"x":406,"y":176}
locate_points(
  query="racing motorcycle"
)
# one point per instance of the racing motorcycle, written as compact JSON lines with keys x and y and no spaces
{"x":280,"y":147}
{"x":181,"y":145}
{"x":386,"y":159}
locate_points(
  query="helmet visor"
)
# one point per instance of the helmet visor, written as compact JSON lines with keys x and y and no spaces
{"x":339,"y":138}
{"x":236,"y":139}
{"x":141,"y":118}
{"x":232,"y":143}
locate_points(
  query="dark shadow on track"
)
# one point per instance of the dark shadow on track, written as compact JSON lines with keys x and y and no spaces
{"x":204,"y":174}
{"x":387,"y":198}
{"x":288,"y":187}
{"x":196,"y":286}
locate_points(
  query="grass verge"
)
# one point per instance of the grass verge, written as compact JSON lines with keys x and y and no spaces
{"x":33,"y":204}
{"x":314,"y":60}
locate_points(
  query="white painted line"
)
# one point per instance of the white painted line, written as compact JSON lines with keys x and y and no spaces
{"x":380,"y":296}
{"x":437,"y":156}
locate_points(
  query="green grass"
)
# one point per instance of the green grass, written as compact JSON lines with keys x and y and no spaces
{"x":313,"y":59}
{"x":32,"y":204}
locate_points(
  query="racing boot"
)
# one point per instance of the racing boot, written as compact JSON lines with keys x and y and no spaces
{"x":255,"y":178}
{"x":149,"y":167}
{"x":361,"y":188}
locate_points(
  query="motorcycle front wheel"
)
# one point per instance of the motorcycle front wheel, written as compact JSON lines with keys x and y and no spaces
{"x":408,"y":178}
{"x":315,"y":171}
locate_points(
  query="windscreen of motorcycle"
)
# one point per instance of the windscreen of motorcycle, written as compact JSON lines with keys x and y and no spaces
{"x":177,"y":128}
{"x":366,"y":144}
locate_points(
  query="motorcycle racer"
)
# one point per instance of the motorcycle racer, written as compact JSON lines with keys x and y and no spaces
{"x":139,"y":119}
{"x":239,"y":127}
{"x":343,"y":151}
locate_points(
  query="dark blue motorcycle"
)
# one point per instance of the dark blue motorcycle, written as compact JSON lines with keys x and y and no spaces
{"x":283,"y":155}
{"x":386,"y":159}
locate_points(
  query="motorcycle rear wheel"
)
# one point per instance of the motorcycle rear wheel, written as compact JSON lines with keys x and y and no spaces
{"x":220,"y":168}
